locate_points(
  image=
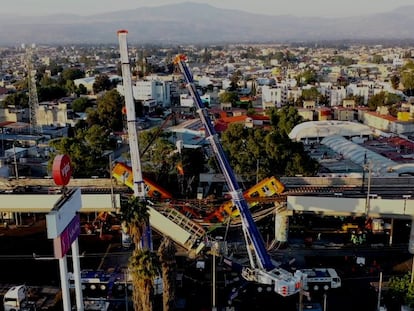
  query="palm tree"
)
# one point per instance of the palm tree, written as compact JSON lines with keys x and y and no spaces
{"x":142,"y":264}
{"x":166,"y":253}
{"x":144,"y":268}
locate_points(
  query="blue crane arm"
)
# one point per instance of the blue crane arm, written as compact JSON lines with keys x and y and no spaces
{"x":253,"y":235}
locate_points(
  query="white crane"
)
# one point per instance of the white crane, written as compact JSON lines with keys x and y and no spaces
{"x":138,"y":185}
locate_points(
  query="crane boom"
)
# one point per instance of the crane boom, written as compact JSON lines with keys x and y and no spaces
{"x":262,"y":269}
{"x":138,"y":181}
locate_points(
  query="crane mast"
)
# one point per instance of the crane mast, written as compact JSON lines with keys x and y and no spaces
{"x":262,"y":268}
{"x":138,"y":184}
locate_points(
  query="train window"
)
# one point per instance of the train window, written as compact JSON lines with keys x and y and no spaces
{"x":255,"y":194}
{"x":156,"y":194}
{"x":265,"y":189}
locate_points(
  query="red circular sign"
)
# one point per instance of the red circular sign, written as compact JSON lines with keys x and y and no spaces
{"x":61,"y":170}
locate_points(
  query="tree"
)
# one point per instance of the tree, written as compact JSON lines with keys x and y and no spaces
{"x":255,"y":153}
{"x":395,"y":82}
{"x":102,"y":83}
{"x":401,"y":288}
{"x":71,"y":74}
{"x":229,"y":97}
{"x":284,"y":119}
{"x":243,"y":151}
{"x":143,"y":265}
{"x":80,"y":104}
{"x":407,"y":78}
{"x":19,"y":100}
{"x":166,"y":253}
{"x":51,"y":92}
{"x":234,"y":80}
{"x":377,"y":59}
{"x":311,"y":94}
{"x":108,"y":112}
{"x":144,"y":268}
{"x":307,"y":77}
{"x":383,"y":99}
{"x":159,"y":157}
{"x":82,"y":90}
{"x":376,"y":101}
{"x":86,"y":150}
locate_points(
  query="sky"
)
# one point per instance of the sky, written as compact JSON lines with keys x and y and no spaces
{"x":318,"y":8}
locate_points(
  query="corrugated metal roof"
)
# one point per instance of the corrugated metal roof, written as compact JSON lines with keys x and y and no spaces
{"x":356,"y":153}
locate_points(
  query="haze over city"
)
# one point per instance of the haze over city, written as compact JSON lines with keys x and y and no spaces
{"x":317,"y":8}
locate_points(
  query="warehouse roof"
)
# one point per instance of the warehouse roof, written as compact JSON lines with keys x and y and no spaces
{"x":321,"y":129}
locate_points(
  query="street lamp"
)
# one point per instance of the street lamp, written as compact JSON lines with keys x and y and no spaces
{"x":110,"y":178}
{"x":363,"y":172}
{"x":15,"y":162}
{"x":214,"y":250}
{"x":379,"y":292}
{"x":126,"y":288}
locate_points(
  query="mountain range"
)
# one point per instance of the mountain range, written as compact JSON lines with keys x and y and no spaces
{"x":193,"y":23}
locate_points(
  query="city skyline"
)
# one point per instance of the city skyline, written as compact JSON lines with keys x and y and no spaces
{"x":316,"y":8}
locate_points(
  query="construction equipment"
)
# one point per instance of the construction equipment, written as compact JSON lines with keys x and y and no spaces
{"x":168,"y":221}
{"x":266,"y":188}
{"x":262,"y":269}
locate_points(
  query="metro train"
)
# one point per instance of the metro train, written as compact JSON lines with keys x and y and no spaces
{"x":268,"y":187}
{"x":123,"y":174}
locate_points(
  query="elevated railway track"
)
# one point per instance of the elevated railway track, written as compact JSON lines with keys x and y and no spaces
{"x":289,"y":182}
{"x":392,"y":197}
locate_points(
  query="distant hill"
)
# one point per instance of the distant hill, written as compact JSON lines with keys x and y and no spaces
{"x":202,"y":23}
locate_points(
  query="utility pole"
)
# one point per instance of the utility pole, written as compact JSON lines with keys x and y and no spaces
{"x":363,"y":172}
{"x":380,"y":288}
{"x":16,"y":171}
{"x":112,"y":184}
{"x":368,"y":166}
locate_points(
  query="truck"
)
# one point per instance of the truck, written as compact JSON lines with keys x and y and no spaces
{"x":317,"y":279}
{"x":16,"y":299}
{"x":262,"y":269}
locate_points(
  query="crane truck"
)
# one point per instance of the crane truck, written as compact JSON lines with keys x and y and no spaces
{"x":262,"y":269}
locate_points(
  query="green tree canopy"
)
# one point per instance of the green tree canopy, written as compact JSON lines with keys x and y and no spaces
{"x":383,"y":99}
{"x":19,"y":100}
{"x":407,"y":77}
{"x":102,"y":83}
{"x":80,"y":104}
{"x":283,"y":120}
{"x":308,"y":76}
{"x":159,"y":155}
{"x":229,"y":97}
{"x":395,"y":81}
{"x":51,"y":92}
{"x":311,"y":94}
{"x":257,"y":153}
{"x":72,"y":74}
{"x":108,"y":112}
{"x":401,"y":288}
{"x":86,"y":151}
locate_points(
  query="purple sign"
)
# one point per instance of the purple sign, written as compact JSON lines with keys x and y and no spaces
{"x":63,"y":242}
